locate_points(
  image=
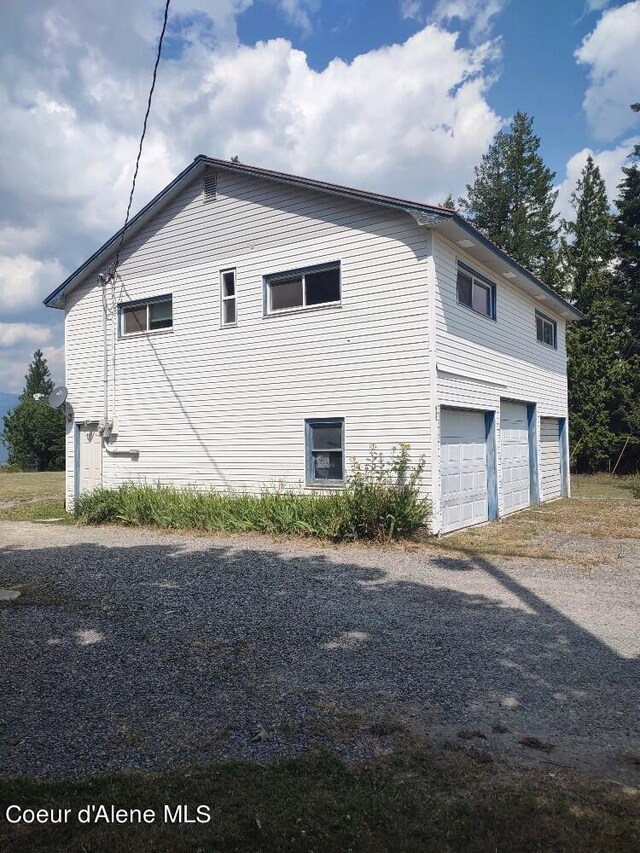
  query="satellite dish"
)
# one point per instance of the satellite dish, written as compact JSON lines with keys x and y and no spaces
{"x":57,"y":397}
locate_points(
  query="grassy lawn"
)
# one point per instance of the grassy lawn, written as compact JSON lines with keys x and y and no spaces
{"x":413,"y":800}
{"x":603,"y":486}
{"x":31,"y":496}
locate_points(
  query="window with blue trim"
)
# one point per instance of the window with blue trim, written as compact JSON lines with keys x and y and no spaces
{"x":325,"y":451}
{"x":303,"y":288}
{"x":476,"y":292}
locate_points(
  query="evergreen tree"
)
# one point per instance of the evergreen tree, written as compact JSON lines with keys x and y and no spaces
{"x":512,"y":199}
{"x":38,"y":379}
{"x":34,"y":433}
{"x":587,"y":249}
{"x":626,"y":299}
{"x":449,"y":202}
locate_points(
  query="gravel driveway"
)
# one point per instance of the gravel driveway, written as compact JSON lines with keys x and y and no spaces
{"x":135,"y":649}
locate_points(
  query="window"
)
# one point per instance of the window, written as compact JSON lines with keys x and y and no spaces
{"x":150,"y":316}
{"x":228,"y":297}
{"x":325,"y":451}
{"x":546,"y":330}
{"x":303,"y":288}
{"x":476,"y":293}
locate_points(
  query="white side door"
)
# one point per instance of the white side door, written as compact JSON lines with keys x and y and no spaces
{"x":90,"y":458}
{"x":514,"y":432}
{"x":550,"y":470}
{"x":463,"y":467}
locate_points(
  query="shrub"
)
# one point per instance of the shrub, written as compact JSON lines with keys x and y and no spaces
{"x":381,"y":501}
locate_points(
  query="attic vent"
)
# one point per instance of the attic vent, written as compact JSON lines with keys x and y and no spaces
{"x":210,"y":182}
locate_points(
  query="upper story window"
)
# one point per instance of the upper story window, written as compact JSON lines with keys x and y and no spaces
{"x":305,"y":288}
{"x":325,"y":451}
{"x":149,"y":315}
{"x":228,"y":315}
{"x":546,"y":330}
{"x":476,"y":292}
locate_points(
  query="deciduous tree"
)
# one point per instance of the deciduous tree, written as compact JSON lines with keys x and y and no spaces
{"x":33,"y":431}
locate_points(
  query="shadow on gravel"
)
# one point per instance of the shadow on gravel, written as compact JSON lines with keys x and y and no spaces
{"x":153,"y":656}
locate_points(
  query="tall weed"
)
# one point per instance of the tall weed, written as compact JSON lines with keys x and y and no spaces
{"x":380,"y":501}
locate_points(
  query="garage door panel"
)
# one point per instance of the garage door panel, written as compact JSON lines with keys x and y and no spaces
{"x":463,"y":468}
{"x":550,"y":464}
{"x":516,"y":474}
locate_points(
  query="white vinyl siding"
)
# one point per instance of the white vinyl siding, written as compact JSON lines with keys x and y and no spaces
{"x":550,"y":471}
{"x":227,"y":410}
{"x":479,"y":364}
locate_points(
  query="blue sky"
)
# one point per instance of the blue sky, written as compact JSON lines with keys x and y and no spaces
{"x":399,"y":96}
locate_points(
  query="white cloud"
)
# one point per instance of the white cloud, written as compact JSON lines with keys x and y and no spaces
{"x":612,"y":53}
{"x":299,"y":12}
{"x":597,"y":5}
{"x":15,"y":360}
{"x":609,"y":161}
{"x":24,"y":333}
{"x":25,"y":281}
{"x":479,"y":13}
{"x":411,"y":9}
{"x":410,"y":119}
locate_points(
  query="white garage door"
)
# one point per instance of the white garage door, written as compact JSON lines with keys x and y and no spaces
{"x":550,"y":473}
{"x":90,"y":449}
{"x":463,"y":469}
{"x":514,"y":431}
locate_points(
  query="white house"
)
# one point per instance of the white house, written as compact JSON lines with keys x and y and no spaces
{"x":264,"y":329}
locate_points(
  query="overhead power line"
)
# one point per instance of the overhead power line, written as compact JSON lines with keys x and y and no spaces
{"x":116,"y":261}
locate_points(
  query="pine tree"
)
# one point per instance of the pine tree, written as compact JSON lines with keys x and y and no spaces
{"x":512,"y":200}
{"x":627,"y":246}
{"x":449,"y":202}
{"x":587,"y":249}
{"x":38,"y":379}
{"x":626,"y":298}
{"x":33,"y":432}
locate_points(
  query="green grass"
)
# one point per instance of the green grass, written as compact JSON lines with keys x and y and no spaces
{"x":32,"y":496}
{"x":416,"y":799}
{"x":24,"y":486}
{"x":605,"y":486}
{"x":37,"y":511}
{"x":377,"y":513}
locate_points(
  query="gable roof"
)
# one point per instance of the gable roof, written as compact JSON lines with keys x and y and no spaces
{"x":448,"y":222}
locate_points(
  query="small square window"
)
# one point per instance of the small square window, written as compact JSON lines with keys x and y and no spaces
{"x":323,"y":286}
{"x":476,"y":293}
{"x":546,"y":330}
{"x":160,"y":315}
{"x":286,"y":294}
{"x":325,"y":451}
{"x":135,"y":320}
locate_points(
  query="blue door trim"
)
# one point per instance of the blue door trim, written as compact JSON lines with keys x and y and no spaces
{"x":492,"y":466}
{"x":534,"y":477}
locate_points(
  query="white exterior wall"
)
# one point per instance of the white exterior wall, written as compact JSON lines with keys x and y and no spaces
{"x":480,"y":361}
{"x":225,"y":407}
